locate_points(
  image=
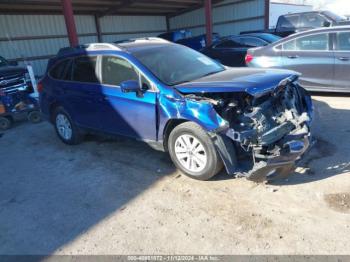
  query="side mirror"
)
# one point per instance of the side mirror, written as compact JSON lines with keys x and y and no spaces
{"x":130,"y":86}
{"x":326,"y":24}
{"x":13,"y":63}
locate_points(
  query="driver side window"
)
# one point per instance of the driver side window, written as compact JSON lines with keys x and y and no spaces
{"x":117,"y":70}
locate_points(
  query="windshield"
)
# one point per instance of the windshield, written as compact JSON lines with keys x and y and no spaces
{"x":335,"y":17}
{"x":176,"y":64}
{"x":3,"y":61}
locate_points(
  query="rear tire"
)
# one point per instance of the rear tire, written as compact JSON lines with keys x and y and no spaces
{"x":5,"y":123}
{"x":193,"y":152}
{"x":65,"y":127}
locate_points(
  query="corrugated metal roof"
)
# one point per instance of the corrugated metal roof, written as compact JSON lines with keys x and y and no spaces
{"x":103,"y":7}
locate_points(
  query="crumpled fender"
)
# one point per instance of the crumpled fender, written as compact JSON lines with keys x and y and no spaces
{"x":200,"y":112}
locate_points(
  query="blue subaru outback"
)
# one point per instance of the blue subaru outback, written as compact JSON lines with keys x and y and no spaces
{"x":253,"y":122}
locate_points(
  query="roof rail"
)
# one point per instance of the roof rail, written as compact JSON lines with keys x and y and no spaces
{"x":144,"y":39}
{"x":88,"y":47}
{"x":102,"y":46}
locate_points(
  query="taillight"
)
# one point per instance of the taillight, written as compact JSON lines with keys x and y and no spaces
{"x":40,"y":87}
{"x":248,"y":58}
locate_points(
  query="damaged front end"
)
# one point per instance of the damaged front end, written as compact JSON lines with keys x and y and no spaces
{"x":266,"y":133}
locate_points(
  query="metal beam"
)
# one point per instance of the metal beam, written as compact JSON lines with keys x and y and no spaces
{"x":167,"y":23}
{"x":123,"y":4}
{"x":98,"y":29}
{"x":70,"y":23}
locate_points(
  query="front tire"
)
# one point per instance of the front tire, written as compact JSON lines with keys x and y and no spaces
{"x":193,"y":152}
{"x":65,"y":127}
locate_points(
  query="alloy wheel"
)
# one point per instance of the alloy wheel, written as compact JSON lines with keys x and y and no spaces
{"x":190,"y":153}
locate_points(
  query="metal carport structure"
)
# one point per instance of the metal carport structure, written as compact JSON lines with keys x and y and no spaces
{"x":100,"y":8}
{"x":32,"y":31}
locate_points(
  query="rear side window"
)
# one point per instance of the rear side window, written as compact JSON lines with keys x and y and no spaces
{"x":343,"y":40}
{"x":252,"y":42}
{"x":117,"y":70}
{"x":61,"y":70}
{"x":289,"y":22}
{"x":84,"y":69}
{"x":318,"y":42}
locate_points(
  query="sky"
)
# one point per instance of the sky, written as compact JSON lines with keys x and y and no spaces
{"x":341,"y":7}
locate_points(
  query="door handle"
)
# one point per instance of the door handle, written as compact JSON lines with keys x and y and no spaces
{"x":343,"y":58}
{"x":293,"y":56}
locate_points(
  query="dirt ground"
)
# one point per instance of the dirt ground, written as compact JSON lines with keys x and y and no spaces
{"x":115,"y":196}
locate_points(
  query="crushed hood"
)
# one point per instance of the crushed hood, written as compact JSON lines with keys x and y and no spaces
{"x":252,"y":81}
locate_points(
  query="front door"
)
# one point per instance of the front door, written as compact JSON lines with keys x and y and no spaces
{"x":342,"y":61}
{"x":127,"y":113}
{"x":311,"y":56}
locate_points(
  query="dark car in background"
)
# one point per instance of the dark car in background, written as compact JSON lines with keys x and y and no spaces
{"x":293,"y":23}
{"x":174,"y":36}
{"x":231,"y":51}
{"x":254,"y":122}
{"x":184,"y":37}
{"x":198,"y":42}
{"x":322,"y":56}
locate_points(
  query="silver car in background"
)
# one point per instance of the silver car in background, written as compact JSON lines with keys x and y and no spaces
{"x":322,"y":56}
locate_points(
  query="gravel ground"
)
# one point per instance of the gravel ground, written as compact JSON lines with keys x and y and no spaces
{"x":115,"y":196}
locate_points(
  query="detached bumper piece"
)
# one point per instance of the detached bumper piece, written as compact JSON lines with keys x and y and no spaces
{"x":281,"y":165}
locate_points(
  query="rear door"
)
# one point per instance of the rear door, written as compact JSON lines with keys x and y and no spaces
{"x":311,"y":56}
{"x":342,"y":61}
{"x":83,"y":92}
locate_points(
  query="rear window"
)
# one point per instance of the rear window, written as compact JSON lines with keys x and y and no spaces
{"x":252,"y":42}
{"x":84,"y":69}
{"x":61,"y":70}
{"x":312,"y":20}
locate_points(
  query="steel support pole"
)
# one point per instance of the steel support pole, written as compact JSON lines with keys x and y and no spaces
{"x":208,"y":21}
{"x":70,"y":23}
{"x":267,"y":14}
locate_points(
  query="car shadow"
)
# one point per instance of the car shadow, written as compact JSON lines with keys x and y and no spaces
{"x":54,"y":193}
